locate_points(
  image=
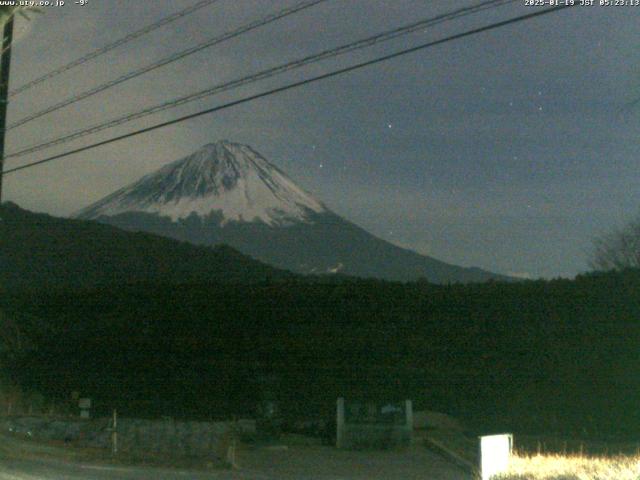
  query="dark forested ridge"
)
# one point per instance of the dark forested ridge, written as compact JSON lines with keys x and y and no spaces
{"x":40,"y":251}
{"x":552,"y":356}
{"x":546,"y":356}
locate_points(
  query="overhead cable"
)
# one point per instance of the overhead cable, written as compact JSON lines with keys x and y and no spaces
{"x":297,"y":84}
{"x":167,"y":60}
{"x":111,"y":46}
{"x":233,"y":84}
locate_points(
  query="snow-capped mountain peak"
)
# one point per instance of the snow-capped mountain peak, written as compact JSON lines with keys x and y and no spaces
{"x":223,"y":178}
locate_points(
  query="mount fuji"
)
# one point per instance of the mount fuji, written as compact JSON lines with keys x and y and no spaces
{"x":228,"y":193}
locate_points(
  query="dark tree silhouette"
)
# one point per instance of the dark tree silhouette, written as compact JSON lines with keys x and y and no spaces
{"x":619,"y":249}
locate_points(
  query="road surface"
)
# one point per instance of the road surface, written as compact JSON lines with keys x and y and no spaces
{"x":286,"y":463}
{"x":28,"y":469}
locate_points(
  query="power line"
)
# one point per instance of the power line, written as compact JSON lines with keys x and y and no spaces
{"x":290,"y":86}
{"x":341,"y":50}
{"x":167,"y":60}
{"x":126,"y":39}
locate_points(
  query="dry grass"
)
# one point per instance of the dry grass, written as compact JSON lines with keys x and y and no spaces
{"x":572,"y":467}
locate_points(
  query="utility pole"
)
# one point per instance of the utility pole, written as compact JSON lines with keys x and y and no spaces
{"x":5,"y":65}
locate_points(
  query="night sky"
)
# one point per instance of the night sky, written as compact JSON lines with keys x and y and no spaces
{"x":509,"y":150}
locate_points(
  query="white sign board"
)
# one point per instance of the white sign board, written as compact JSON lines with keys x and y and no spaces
{"x":495,"y":451}
{"x":84,"y":403}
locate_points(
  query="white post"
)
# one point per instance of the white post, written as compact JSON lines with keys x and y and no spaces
{"x":231,"y":453}
{"x":114,"y":433}
{"x":495,"y":453}
{"x":231,"y":449}
{"x":340,"y":423}
{"x":408,"y":410}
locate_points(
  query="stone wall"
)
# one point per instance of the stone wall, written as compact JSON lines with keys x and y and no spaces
{"x":176,"y":438}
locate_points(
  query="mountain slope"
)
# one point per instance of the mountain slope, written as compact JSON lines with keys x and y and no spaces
{"x":227,"y":193}
{"x":327,"y":244}
{"x":38,"y":250}
{"x":224,"y":177}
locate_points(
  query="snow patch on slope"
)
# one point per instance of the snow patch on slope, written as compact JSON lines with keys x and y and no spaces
{"x":226,"y":178}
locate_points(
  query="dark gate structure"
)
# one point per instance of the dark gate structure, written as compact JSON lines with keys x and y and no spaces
{"x":373,"y":424}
